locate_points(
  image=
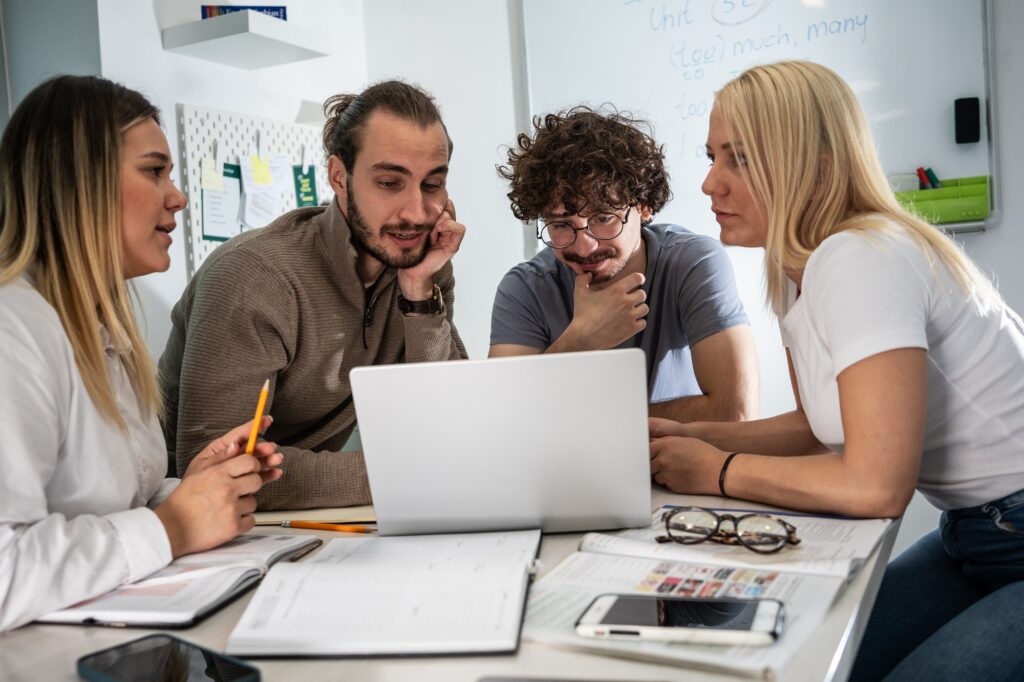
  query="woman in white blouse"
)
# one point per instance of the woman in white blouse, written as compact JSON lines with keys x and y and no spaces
{"x":87,"y":203}
{"x":907,"y":367}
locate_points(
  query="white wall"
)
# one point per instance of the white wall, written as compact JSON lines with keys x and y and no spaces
{"x":131,"y":53}
{"x":45,"y":39}
{"x":460,"y":51}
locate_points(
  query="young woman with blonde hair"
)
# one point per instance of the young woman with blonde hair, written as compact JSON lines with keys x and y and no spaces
{"x":907,"y":368}
{"x":87,"y":202}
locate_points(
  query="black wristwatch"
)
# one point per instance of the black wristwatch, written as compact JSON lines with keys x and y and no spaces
{"x":434,"y":304}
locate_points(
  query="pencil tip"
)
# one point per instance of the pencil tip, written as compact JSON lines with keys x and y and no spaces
{"x":266,"y":384}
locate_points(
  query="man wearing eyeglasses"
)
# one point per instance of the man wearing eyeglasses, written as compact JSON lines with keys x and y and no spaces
{"x":594,"y":180}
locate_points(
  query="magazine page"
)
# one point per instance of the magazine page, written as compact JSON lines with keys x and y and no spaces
{"x":833,"y":546}
{"x":559,"y":598}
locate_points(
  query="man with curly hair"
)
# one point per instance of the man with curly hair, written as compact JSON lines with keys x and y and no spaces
{"x":593,"y":180}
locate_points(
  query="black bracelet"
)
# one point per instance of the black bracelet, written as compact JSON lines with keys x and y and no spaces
{"x":721,"y":475}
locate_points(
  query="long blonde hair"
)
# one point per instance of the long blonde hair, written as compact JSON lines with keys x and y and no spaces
{"x":812,"y":163}
{"x":60,"y":222}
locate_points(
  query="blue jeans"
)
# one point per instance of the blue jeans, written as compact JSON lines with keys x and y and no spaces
{"x":951,"y":607}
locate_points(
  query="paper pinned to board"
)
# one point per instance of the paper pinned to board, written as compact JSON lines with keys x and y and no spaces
{"x":221,"y":207}
{"x":210,"y":176}
{"x":267,"y":188}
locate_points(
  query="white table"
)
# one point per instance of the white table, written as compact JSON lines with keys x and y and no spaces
{"x":49,"y":652}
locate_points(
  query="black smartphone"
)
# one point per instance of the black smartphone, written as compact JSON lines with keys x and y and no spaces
{"x":163,"y":658}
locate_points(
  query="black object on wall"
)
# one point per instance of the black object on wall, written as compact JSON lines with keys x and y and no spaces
{"x":967,"y":119}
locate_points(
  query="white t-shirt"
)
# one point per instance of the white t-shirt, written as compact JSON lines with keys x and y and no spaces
{"x":75,"y":492}
{"x":863,"y":294}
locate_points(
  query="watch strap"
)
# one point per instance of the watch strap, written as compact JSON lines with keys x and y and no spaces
{"x":433,"y":305}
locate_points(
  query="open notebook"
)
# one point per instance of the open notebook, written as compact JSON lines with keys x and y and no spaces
{"x":365,"y":596}
{"x":190,"y":587}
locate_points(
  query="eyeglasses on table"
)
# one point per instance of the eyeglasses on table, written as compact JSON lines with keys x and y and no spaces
{"x":760,"y":533}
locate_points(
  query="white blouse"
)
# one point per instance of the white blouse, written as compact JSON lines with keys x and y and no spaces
{"x":76,"y":491}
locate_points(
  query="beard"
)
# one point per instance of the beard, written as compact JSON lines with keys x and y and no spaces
{"x":362,"y":235}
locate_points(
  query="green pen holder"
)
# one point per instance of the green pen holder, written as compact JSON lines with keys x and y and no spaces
{"x":959,"y":200}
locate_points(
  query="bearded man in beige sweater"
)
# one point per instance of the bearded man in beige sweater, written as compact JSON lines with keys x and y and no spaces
{"x":366,"y":280}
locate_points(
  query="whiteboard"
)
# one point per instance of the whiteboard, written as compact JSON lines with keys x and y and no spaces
{"x":663,"y":60}
{"x":906,"y":60}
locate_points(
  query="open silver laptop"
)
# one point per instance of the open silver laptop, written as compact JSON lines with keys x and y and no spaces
{"x":557,"y":442}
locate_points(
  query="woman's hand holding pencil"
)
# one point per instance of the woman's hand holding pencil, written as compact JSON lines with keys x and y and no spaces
{"x":215,"y":500}
{"x":229,"y":445}
{"x":232,"y":444}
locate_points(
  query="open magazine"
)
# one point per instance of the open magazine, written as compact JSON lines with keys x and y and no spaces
{"x":557,"y":600}
{"x":190,"y":587}
{"x":829,"y":545}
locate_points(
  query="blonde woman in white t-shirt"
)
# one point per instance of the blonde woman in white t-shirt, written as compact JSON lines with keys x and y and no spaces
{"x":907,"y":368}
{"x":86,"y":203}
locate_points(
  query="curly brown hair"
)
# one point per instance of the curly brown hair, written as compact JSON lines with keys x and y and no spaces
{"x":586,"y":160}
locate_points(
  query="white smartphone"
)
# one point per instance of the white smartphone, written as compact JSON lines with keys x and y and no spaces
{"x":754,"y":622}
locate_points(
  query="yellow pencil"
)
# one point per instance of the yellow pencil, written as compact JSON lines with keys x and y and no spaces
{"x":250,"y":447}
{"x":339,"y":527}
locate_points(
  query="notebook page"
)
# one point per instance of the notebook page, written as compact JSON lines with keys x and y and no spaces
{"x":251,"y":549}
{"x":188,"y":586}
{"x":393,"y":595}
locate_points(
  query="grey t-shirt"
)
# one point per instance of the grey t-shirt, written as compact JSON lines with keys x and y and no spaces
{"x":690,"y":289}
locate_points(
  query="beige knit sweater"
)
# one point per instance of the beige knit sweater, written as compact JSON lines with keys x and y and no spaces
{"x":284,"y":302}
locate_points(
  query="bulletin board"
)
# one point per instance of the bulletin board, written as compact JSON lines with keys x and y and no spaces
{"x":201,"y":130}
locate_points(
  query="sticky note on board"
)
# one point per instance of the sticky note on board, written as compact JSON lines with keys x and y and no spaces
{"x":210,"y":177}
{"x":261,"y":170}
